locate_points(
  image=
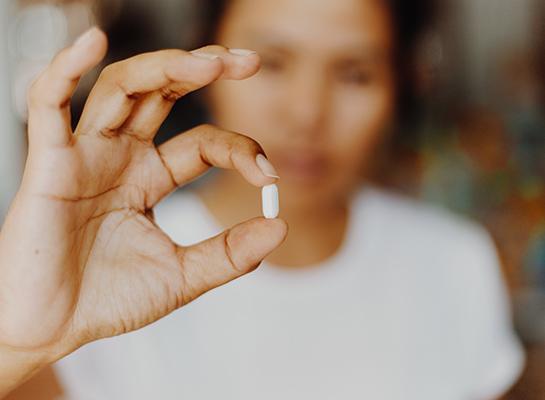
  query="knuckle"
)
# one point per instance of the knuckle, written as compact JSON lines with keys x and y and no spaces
{"x":219,"y":47}
{"x":33,"y":94}
{"x":248,"y":144}
{"x":124,"y":87}
{"x":204,"y":132}
{"x":171,"y":94}
{"x":36,"y":93}
{"x":60,"y":57}
{"x":109,"y":71}
{"x":183,"y":294}
{"x":215,"y":48}
{"x":254,"y":146}
{"x":110,"y":68}
{"x":172,"y":53}
{"x":206,"y":128}
{"x":229,"y":253}
{"x":116,"y":75}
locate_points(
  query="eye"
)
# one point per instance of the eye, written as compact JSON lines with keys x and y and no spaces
{"x":354,"y":75}
{"x":272,"y":63}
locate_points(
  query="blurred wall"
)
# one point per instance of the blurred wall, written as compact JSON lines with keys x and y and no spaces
{"x":11,"y":137}
{"x":490,"y":29}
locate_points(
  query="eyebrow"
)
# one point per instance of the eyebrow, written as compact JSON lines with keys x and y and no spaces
{"x":358,"y":53}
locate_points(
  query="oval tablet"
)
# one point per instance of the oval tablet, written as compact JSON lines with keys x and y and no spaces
{"x":269,"y":201}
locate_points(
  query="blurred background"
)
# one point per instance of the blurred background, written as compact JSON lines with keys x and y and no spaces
{"x":477,"y":145}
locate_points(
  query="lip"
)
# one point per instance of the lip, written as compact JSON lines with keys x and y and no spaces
{"x":302,"y":166}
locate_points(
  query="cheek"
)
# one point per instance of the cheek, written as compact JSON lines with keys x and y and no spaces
{"x":356,"y":121}
{"x":361,"y":119}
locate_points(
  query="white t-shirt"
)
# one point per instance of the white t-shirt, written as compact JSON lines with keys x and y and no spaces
{"x":411,"y":307}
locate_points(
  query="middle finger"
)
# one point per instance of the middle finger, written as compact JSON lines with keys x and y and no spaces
{"x":135,"y":96}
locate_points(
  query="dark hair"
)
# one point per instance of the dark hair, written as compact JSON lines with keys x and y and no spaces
{"x":411,"y":19}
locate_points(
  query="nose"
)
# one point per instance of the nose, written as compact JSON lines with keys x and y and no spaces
{"x":307,"y":103}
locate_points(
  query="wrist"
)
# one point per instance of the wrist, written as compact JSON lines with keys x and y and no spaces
{"x":17,"y":366}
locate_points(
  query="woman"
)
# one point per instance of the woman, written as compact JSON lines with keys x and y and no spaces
{"x":371,"y":295}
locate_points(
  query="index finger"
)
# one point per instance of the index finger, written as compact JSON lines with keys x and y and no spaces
{"x":49,"y":96}
{"x":126,"y":88}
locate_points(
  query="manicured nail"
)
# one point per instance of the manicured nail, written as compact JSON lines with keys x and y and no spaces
{"x":86,"y":38}
{"x":208,"y":56}
{"x":266,"y":166}
{"x":242,"y":52}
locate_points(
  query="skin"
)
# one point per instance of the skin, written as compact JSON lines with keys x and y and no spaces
{"x":81,"y":257}
{"x":320,"y":104}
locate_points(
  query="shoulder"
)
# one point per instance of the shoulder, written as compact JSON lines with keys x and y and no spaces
{"x":444,"y":260}
{"x":427,"y":244}
{"x":419,"y":223}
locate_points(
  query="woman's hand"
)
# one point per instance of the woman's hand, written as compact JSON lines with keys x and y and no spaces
{"x":80,"y":255}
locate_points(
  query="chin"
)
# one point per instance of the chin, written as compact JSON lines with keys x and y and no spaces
{"x":306,"y":197}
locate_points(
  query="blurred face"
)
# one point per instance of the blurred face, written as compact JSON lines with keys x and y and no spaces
{"x":324,"y":95}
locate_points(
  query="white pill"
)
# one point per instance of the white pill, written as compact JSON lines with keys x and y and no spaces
{"x":269,"y":200}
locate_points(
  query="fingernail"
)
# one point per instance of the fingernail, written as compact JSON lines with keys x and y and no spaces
{"x":208,"y":56}
{"x":86,"y":37}
{"x":242,"y":52}
{"x":266,"y":167}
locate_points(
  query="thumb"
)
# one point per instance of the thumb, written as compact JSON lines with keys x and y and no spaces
{"x":49,"y":96}
{"x":229,"y":255}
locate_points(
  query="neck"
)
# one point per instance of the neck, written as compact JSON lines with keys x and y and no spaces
{"x":316,"y":232}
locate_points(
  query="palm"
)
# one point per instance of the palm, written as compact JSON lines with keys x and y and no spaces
{"x":131,"y":281}
{"x":88,"y":260}
{"x":106,"y":265}
{"x":126,"y":270}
